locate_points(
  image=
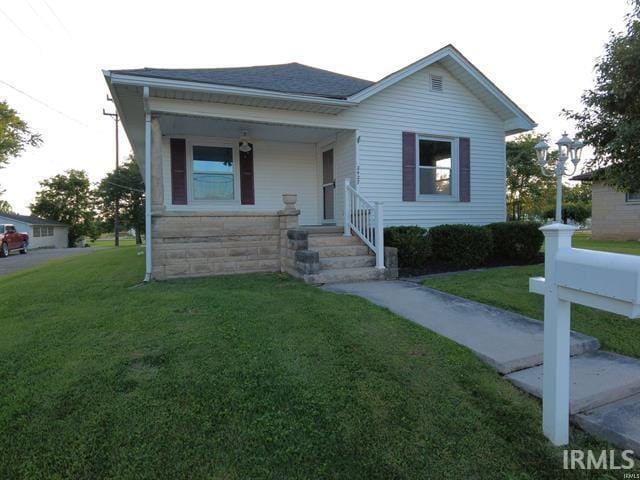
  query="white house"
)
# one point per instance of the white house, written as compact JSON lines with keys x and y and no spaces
{"x":218,"y":148}
{"x":43,"y":233}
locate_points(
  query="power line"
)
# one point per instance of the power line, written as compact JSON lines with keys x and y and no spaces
{"x":43,"y":103}
{"x":57,"y":17}
{"x":125,"y":187}
{"x":35,"y":12}
{"x":18,"y":28}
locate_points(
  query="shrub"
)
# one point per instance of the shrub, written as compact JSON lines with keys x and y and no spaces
{"x":516,"y":241}
{"x":412,"y":244}
{"x":462,"y":246}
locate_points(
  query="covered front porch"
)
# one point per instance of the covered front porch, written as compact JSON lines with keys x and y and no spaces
{"x":222,"y":165}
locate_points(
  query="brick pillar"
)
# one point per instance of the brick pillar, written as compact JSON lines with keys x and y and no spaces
{"x":288,"y":221}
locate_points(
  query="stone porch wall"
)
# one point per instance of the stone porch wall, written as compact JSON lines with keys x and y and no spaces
{"x":190,"y":244}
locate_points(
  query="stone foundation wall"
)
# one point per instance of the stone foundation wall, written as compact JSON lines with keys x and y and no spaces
{"x":202,"y":244}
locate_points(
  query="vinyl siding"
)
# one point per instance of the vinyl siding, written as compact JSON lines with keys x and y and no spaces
{"x":379,"y":121}
{"x":410,"y":105}
{"x":279,"y":168}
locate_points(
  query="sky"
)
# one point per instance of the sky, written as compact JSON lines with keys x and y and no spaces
{"x":541,"y":54}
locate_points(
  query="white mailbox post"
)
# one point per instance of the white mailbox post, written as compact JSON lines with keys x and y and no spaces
{"x":607,"y":281}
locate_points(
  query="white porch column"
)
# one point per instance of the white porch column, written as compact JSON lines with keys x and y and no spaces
{"x":347,"y":207}
{"x":147,"y":187}
{"x":557,"y":349}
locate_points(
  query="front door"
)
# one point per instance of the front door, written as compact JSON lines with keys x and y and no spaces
{"x":328,"y":187}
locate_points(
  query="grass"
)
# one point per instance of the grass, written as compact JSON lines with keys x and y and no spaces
{"x":108,"y":242}
{"x":508,"y":288}
{"x":255,"y":376}
{"x":583,"y":240}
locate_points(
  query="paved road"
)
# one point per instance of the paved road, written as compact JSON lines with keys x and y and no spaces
{"x":16,"y":262}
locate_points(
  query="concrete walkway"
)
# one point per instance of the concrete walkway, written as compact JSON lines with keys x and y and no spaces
{"x":605,"y":387}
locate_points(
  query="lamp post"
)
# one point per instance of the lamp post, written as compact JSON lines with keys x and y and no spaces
{"x":567,"y":149}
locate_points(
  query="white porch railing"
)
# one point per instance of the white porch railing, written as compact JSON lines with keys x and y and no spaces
{"x":365,"y":219}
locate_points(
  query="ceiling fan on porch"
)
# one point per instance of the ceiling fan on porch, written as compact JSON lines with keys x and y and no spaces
{"x":245,"y":146}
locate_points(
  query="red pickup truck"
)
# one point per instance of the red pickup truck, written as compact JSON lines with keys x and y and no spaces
{"x":10,"y":239}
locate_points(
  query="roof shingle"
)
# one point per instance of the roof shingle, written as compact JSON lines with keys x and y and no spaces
{"x":292,"y":78}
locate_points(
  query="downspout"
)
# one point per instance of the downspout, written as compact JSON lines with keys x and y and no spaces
{"x":147,"y":183}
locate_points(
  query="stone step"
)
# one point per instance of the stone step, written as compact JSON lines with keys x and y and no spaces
{"x":355,"y":261}
{"x":345,"y":275}
{"x":341,"y":250}
{"x":322,"y":229}
{"x":332,"y":240}
{"x":617,"y":422}
{"x":597,"y":379}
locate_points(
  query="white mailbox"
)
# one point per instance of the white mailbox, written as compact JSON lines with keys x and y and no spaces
{"x":607,"y":281}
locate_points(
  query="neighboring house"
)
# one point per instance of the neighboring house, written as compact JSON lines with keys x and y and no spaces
{"x":43,"y":233}
{"x":218,"y":148}
{"x":615,"y":215}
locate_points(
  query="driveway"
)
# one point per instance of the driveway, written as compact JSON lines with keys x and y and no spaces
{"x":16,"y":262}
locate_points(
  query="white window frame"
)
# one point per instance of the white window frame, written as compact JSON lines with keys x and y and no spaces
{"x":628,"y":198}
{"x":236,"y":170}
{"x":438,"y":197}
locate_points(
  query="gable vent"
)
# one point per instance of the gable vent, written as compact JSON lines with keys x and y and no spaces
{"x":436,"y":83}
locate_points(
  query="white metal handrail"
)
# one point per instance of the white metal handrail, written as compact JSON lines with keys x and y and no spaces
{"x":365,"y":219}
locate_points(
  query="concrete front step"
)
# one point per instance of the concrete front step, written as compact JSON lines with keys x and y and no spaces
{"x":596,"y":379}
{"x":617,"y":422}
{"x":341,"y":250}
{"x":345,"y":275}
{"x":332,"y":241}
{"x":347,"y":262}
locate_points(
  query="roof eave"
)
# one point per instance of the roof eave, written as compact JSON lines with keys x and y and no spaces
{"x":153,"y":82}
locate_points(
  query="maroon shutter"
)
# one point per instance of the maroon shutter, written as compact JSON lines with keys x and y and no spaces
{"x":464,"y":161}
{"x":178,"y":171}
{"x":247,"y":195}
{"x":408,"y":166}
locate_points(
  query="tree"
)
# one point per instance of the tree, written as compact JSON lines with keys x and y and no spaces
{"x":525,"y":183}
{"x":126,"y":184}
{"x":610,"y":120}
{"x":5,"y":207}
{"x":67,"y":198}
{"x":15,"y":134}
{"x":577,"y":212}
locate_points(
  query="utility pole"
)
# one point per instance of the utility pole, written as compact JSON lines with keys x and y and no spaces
{"x":116,"y":217}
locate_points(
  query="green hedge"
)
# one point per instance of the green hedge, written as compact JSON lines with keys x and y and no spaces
{"x":412,"y":244}
{"x":447,"y":247}
{"x":462,"y":246}
{"x":516,"y":241}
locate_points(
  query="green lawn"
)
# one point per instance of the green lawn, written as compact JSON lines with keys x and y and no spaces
{"x":508,"y":288}
{"x":583,"y":240}
{"x":108,"y":242}
{"x":255,"y":376}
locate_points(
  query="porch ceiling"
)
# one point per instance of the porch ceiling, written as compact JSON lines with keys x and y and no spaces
{"x":217,"y":127}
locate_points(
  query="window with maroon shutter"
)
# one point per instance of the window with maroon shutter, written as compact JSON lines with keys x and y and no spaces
{"x":178,"y":171}
{"x":408,"y":166}
{"x":247,"y":194}
{"x":464,"y":161}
